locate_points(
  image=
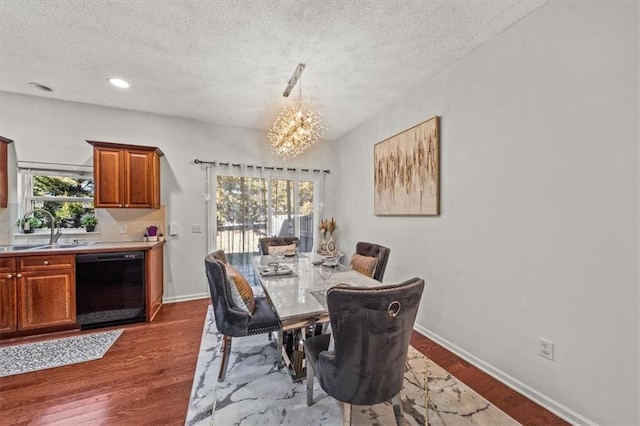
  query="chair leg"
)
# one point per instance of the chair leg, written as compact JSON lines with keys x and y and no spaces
{"x":346,"y":415}
{"x":309,"y":385}
{"x":279,"y":348}
{"x":396,"y":401}
{"x":226,"y":350}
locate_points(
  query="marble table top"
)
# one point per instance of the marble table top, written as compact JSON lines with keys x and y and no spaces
{"x":291,"y":294}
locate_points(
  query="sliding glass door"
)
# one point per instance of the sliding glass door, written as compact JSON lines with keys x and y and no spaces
{"x":249,"y":208}
{"x":241,"y":213}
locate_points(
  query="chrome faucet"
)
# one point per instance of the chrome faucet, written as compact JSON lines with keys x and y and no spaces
{"x":54,"y":238}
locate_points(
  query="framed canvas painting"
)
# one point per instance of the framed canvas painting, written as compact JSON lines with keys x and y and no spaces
{"x":407,"y":172}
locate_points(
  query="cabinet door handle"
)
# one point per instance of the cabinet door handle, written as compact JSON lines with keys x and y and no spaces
{"x":119,"y":205}
{"x":9,"y":276}
{"x":18,"y":275}
{"x":126,"y":205}
{"x":46,"y":262}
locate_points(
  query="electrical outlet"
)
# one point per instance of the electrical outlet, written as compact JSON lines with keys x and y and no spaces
{"x":545,"y":349}
{"x":196,"y":229}
{"x":123,"y":229}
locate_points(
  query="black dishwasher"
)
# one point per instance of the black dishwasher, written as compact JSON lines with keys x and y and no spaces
{"x":110,"y":289}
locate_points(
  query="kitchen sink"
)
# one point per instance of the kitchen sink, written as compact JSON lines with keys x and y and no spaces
{"x":64,"y":246}
{"x":19,"y":248}
{"x":45,"y":246}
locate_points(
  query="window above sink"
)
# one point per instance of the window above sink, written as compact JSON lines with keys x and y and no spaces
{"x":66,"y":194}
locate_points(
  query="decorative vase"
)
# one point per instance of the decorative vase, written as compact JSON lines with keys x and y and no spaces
{"x":323,"y":244}
{"x":331,"y":245}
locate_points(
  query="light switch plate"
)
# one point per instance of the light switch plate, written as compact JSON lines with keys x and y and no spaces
{"x":196,"y":228}
{"x":123,"y":229}
{"x":173,"y":229}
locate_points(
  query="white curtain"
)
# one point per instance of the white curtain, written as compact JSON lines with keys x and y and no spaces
{"x":272,"y":183}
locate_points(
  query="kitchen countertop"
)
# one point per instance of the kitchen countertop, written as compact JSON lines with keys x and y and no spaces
{"x":96,"y":247}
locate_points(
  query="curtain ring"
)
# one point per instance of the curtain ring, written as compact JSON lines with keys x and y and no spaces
{"x":394,"y":308}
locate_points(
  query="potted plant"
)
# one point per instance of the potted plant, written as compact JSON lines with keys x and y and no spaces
{"x":89,"y":221}
{"x":152,"y":232}
{"x":29,"y":225}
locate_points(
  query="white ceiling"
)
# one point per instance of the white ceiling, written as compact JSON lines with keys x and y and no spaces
{"x":229,"y":61}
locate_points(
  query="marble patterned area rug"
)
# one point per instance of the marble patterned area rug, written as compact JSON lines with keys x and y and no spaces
{"x":255,"y":392}
{"x":27,"y":357}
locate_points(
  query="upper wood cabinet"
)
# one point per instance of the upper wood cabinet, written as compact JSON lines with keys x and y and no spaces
{"x":126,"y":176}
{"x":4,"y":194}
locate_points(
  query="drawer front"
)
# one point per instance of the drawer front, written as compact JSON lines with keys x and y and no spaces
{"x":40,"y":263}
{"x":7,"y":264}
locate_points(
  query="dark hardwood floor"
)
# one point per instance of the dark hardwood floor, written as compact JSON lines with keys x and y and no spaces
{"x":517,"y":406}
{"x":146,"y":378}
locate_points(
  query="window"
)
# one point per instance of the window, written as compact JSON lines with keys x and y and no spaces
{"x":241,"y":213}
{"x":66,"y":195}
{"x":249,"y":208}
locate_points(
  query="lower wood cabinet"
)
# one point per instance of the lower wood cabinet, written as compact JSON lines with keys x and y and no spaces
{"x":37,"y":292}
{"x":8,"y":296}
{"x":154,"y":282}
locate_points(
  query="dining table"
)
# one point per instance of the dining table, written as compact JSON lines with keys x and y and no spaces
{"x":296,"y":289}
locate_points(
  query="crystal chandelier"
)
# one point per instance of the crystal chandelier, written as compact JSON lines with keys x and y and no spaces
{"x":297,"y":127}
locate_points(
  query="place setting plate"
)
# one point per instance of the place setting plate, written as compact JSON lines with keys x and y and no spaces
{"x":275,"y":270}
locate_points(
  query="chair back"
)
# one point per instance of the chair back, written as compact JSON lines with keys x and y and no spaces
{"x":275,"y":241}
{"x":379,"y":252}
{"x":372,"y":329}
{"x":230,"y":319}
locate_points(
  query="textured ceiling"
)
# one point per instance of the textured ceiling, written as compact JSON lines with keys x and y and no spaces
{"x":228,"y":62}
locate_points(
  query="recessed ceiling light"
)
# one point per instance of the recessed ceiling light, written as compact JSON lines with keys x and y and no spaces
{"x":118,"y":82}
{"x":40,"y":86}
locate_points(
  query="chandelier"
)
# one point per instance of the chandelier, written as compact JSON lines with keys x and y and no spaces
{"x":297,"y":127}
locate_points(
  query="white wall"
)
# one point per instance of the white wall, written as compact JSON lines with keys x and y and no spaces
{"x":55,"y":131}
{"x":538,"y":232}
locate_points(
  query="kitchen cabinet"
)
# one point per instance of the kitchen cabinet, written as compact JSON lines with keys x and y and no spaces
{"x":126,"y":176}
{"x":47,"y":291}
{"x":4,"y":194}
{"x":37,"y":292}
{"x":8,"y":296}
{"x":154,"y":281}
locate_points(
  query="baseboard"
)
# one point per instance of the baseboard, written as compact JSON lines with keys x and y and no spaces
{"x":544,"y":401}
{"x":186,"y":298}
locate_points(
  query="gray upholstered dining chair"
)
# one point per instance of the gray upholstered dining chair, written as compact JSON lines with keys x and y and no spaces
{"x":381,"y":253}
{"x":371,"y":328}
{"x":233,"y":320}
{"x":276,"y":241}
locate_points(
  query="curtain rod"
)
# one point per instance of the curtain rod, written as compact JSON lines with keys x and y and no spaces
{"x":251,"y":166}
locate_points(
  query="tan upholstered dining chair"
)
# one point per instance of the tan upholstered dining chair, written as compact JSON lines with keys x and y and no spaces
{"x":266,"y":242}
{"x":363,"y":260}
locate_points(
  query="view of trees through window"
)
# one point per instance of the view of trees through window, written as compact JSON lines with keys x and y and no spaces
{"x":251,"y":208}
{"x":67,"y":198}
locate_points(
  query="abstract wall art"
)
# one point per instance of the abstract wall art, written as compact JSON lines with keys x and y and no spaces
{"x":407,"y":172}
